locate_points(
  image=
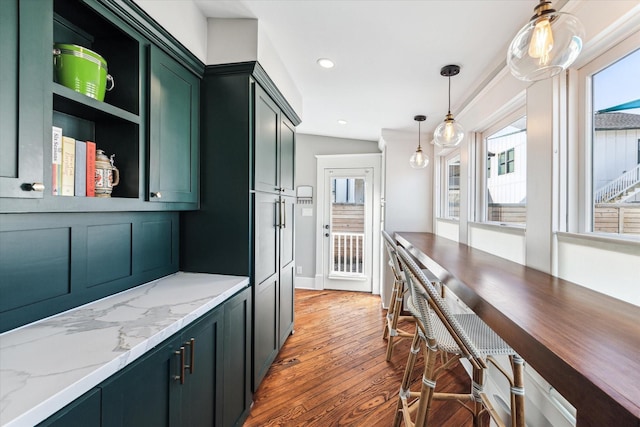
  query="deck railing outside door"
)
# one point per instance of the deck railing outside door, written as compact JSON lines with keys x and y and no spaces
{"x":347,"y":252}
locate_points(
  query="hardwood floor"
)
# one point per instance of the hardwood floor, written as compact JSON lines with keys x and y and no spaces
{"x":332,"y":370}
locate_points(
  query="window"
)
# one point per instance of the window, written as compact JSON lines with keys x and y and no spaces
{"x":348,"y":191}
{"x":506,"y":193}
{"x":613,"y":135}
{"x":452,"y":206}
{"x":510,"y":160}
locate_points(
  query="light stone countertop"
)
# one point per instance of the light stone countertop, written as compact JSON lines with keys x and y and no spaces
{"x":49,"y":363}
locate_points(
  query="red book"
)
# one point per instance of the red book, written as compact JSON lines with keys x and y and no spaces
{"x":91,"y":169}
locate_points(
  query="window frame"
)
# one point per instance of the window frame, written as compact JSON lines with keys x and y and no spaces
{"x":443,"y":210}
{"x":482,"y":191}
{"x":580,"y":205}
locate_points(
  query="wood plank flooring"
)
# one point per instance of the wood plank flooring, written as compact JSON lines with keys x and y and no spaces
{"x":332,"y":370}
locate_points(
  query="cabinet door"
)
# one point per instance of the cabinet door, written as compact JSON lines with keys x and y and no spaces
{"x":174,"y":135}
{"x":265,"y":293}
{"x":287,"y":157}
{"x":82,"y":412}
{"x":23,"y":49}
{"x":287,"y":265}
{"x":203,"y":382}
{"x":267,"y":118}
{"x":236,"y":394}
{"x":286,"y":295}
{"x":266,"y":229}
{"x":147,"y":393}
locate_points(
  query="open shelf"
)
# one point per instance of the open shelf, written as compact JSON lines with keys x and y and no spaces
{"x":115,"y":123}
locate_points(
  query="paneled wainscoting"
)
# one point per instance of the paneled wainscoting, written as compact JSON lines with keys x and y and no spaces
{"x":332,"y":370}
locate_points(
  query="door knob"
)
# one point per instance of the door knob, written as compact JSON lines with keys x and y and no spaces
{"x":326,"y":234}
{"x":326,"y":226}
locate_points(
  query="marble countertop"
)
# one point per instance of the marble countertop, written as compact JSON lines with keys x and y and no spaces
{"x":49,"y":363}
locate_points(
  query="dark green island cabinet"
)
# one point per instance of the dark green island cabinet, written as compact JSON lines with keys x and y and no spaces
{"x":245,"y":225}
{"x":199,"y":377}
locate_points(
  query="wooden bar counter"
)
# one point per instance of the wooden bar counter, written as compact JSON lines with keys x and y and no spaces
{"x":586,"y":344}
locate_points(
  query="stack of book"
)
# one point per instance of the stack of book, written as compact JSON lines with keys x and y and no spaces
{"x":73,"y":166}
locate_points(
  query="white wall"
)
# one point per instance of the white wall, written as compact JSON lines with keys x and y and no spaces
{"x":232,"y":40}
{"x":408,"y":192}
{"x":221,"y":41}
{"x":191,"y":27}
{"x":508,"y":242}
{"x":602,"y":264}
{"x":307,"y":147}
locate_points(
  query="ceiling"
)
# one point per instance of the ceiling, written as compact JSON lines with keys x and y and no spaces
{"x":387,"y":53}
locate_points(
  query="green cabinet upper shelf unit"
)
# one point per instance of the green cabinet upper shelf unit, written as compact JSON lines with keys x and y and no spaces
{"x":149,"y":121}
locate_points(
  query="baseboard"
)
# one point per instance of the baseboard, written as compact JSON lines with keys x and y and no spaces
{"x":305,"y":282}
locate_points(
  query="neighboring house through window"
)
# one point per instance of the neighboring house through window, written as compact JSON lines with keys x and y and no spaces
{"x":615,"y":146}
{"x":506,"y":192}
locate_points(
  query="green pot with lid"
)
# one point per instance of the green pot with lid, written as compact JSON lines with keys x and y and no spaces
{"x":82,"y":70}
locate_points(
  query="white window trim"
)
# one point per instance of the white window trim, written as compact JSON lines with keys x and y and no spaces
{"x":444,"y":185}
{"x":580,"y":202}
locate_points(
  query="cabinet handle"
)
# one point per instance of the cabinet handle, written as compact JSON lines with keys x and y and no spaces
{"x":181,"y":369}
{"x":34,"y":186}
{"x":192,"y":347}
{"x":157,"y":195}
{"x":283,"y":210}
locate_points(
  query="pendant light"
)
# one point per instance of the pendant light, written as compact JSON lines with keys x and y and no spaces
{"x":546,"y":45}
{"x":419,"y":160}
{"x":449,"y":133}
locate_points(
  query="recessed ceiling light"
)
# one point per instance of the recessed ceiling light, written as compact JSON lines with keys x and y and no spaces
{"x":325,"y":63}
{"x":342,"y":122}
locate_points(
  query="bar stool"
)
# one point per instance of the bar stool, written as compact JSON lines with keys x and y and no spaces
{"x":391,"y":332}
{"x":457,"y":335}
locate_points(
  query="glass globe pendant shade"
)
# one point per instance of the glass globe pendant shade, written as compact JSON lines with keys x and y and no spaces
{"x":419,"y":160}
{"x":545,"y":46}
{"x":449,"y":133}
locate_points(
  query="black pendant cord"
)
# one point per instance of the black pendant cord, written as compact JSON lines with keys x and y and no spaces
{"x":449,"y":94}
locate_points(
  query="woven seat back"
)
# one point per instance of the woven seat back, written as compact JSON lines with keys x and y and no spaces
{"x":431,"y":306}
{"x":390,"y":245}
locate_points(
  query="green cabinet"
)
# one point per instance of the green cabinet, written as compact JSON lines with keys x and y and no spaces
{"x":174,"y":385}
{"x":266,"y":282}
{"x":201,"y":376}
{"x":23,"y":84}
{"x":247,"y":163}
{"x":236,"y":391}
{"x":83,"y":412}
{"x":143,"y":394}
{"x":149,"y":121}
{"x":274,"y":147}
{"x":174,"y":130}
